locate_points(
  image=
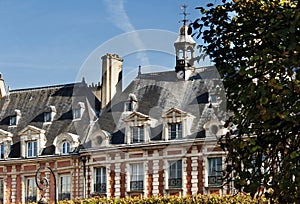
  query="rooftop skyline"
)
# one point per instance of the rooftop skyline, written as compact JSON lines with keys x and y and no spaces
{"x":49,"y":42}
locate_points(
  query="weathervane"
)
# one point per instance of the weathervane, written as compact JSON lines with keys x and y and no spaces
{"x":184,"y":8}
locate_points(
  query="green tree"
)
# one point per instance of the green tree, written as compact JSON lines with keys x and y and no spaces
{"x":255,"y":45}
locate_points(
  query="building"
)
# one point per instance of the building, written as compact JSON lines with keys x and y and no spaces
{"x":157,"y":137}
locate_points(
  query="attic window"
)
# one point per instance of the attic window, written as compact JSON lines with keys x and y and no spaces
{"x":49,"y":114}
{"x":13,"y":120}
{"x":31,"y":148}
{"x":131,"y":104}
{"x":47,"y":117}
{"x":78,"y":111}
{"x":137,"y":134}
{"x":175,"y":131}
{"x":65,"y":148}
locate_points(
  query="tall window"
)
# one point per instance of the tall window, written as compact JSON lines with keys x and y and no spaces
{"x":1,"y":190}
{"x":65,"y":148}
{"x":47,"y":116}
{"x":136,"y":177}
{"x":32,"y":149}
{"x":100,"y":180}
{"x":31,"y":192}
{"x":2,"y":151}
{"x":137,"y":134}
{"x":215,"y":171}
{"x":64,"y":187}
{"x":13,"y":120}
{"x":175,"y":174}
{"x":175,"y":131}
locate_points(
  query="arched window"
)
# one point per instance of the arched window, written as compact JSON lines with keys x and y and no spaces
{"x":65,"y":148}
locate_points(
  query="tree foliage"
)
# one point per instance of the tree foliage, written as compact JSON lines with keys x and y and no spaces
{"x":255,"y":45}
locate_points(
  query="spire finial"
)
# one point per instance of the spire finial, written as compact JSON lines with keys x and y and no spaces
{"x":184,"y":8}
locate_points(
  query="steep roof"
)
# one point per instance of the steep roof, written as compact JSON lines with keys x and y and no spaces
{"x":32,"y":103}
{"x":157,"y":93}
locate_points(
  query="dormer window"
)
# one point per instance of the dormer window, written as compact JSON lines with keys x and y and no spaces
{"x":176,"y":124}
{"x":14,"y":119}
{"x":78,"y":111}
{"x":137,"y":128}
{"x":138,"y":134}
{"x":175,"y":131}
{"x":31,"y":148}
{"x":65,"y":148}
{"x":49,"y":114}
{"x":131,"y":104}
{"x":65,"y":143}
{"x":5,"y":143}
{"x":33,"y":141}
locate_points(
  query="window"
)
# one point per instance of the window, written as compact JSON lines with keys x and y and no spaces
{"x":47,"y":116}
{"x":64,"y":187}
{"x":100,"y":180}
{"x":77,"y":113}
{"x":31,"y":192}
{"x":137,"y":134}
{"x":2,"y":151}
{"x":1,"y":191}
{"x":128,"y":106}
{"x":13,"y":120}
{"x":175,"y":131}
{"x":31,"y":149}
{"x":136,"y":177}
{"x":175,"y":174}
{"x":215,"y":171}
{"x":65,"y":148}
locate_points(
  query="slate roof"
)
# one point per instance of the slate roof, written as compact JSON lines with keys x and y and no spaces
{"x":156,"y":93}
{"x":32,"y":104}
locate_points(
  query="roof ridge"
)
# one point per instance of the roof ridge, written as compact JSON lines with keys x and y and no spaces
{"x":46,"y":87}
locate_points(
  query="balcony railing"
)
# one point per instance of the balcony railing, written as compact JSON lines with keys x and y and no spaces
{"x":175,"y":183}
{"x":100,"y":187}
{"x":215,"y":180}
{"x":30,"y":199}
{"x":136,"y":185}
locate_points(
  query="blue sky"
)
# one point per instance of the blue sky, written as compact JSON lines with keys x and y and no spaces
{"x":48,"y":42}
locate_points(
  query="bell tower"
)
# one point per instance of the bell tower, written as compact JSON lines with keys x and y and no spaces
{"x":184,"y":47}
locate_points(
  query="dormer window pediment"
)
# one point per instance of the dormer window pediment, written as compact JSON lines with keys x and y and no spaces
{"x":137,"y":128}
{"x":175,"y":124}
{"x":33,"y":141}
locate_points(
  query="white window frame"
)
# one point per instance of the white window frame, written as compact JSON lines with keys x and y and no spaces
{"x":176,"y":176}
{"x":31,"y":186}
{"x":77,"y":113}
{"x":48,"y":117}
{"x":31,"y":151}
{"x":65,"y":147}
{"x":139,"y":133}
{"x":100,"y":178}
{"x":64,"y":186}
{"x":177,"y":131}
{"x":137,"y":174}
{"x":215,"y":171}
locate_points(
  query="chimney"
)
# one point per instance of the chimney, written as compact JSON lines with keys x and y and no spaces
{"x":2,"y":87}
{"x":111,"y":77}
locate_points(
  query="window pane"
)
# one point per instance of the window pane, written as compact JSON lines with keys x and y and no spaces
{"x":100,"y":180}
{"x":137,"y":176}
{"x":215,"y":171}
{"x":175,"y":174}
{"x":137,"y":134}
{"x":2,"y":151}
{"x":65,"y":187}
{"x":13,"y":120}
{"x":31,"y":193}
{"x":175,"y":131}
